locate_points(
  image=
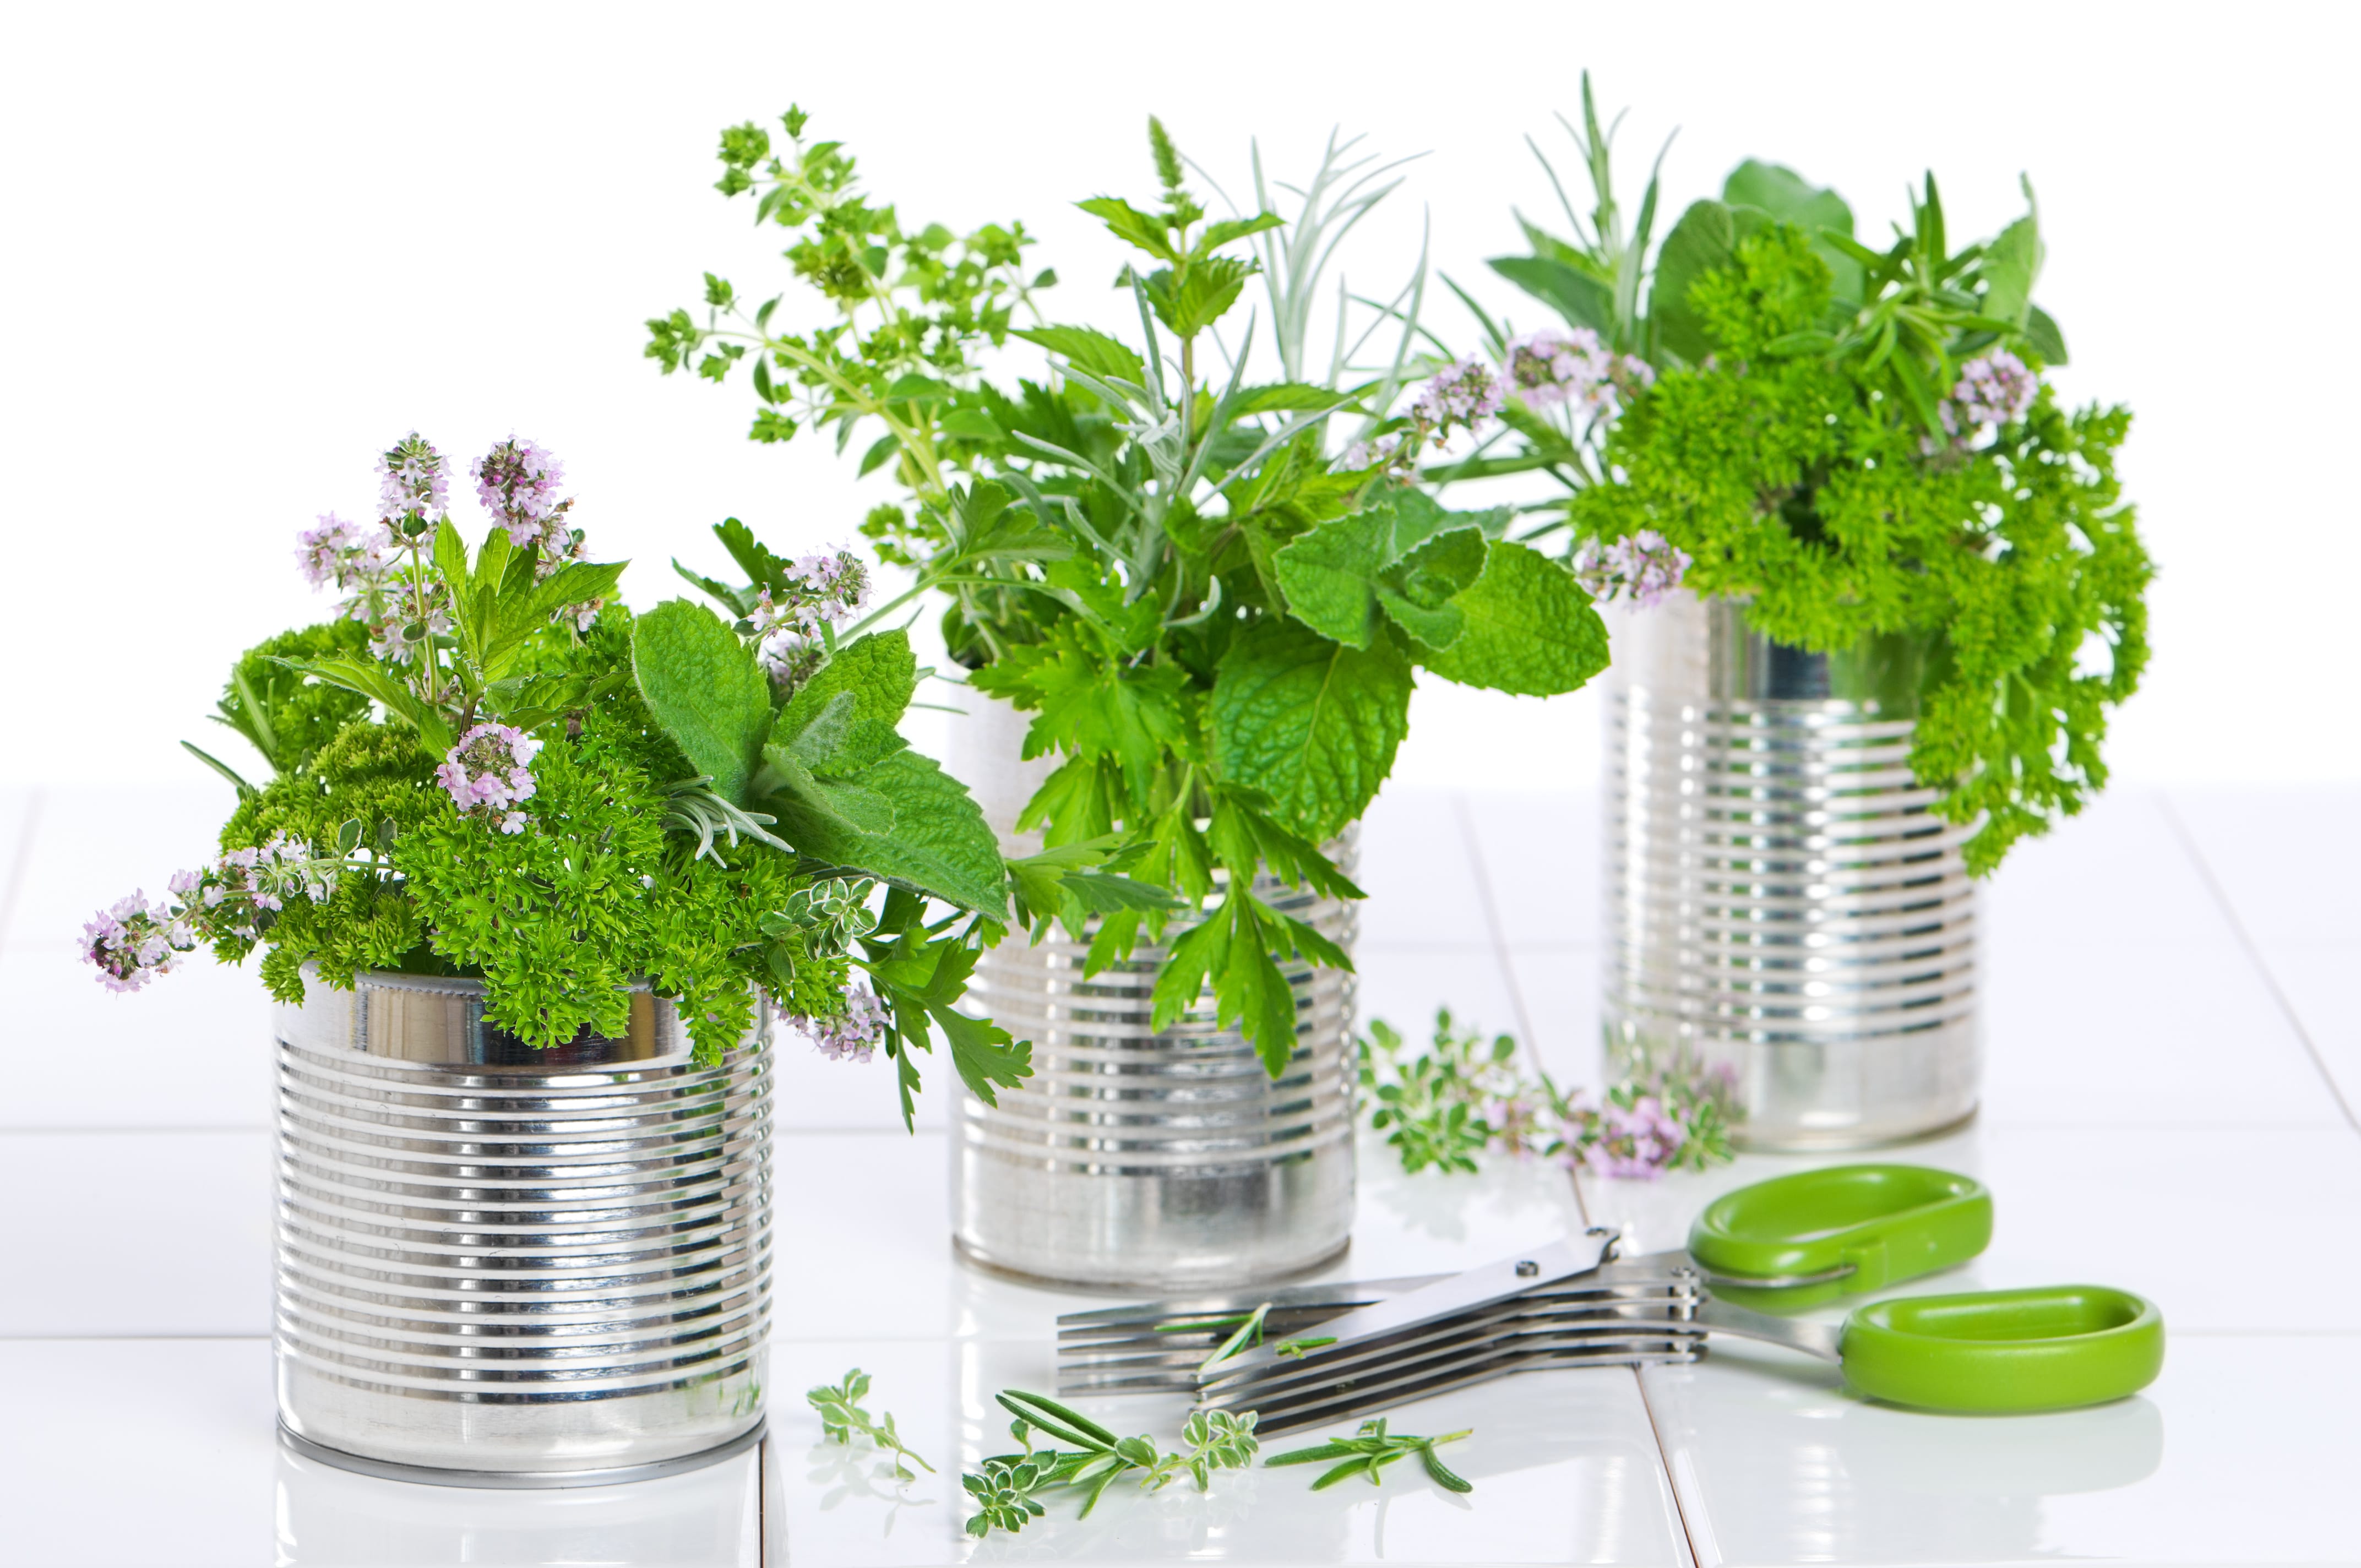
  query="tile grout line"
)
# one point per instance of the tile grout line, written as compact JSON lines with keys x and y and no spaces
{"x":19,"y":862}
{"x":1492,"y":926}
{"x":1500,"y":939}
{"x":1671,"y":1482}
{"x":2255,"y":956}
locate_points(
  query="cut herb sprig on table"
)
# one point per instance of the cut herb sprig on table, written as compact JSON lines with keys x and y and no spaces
{"x":1368,"y":1450}
{"x":840,"y":1416}
{"x":1005,"y":1487}
{"x":1464,"y":1096}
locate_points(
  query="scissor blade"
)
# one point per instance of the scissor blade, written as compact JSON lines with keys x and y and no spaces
{"x":1479,"y":1367}
{"x":1342,"y":1294}
{"x":1381,"y":1361}
{"x":1450,"y":1297}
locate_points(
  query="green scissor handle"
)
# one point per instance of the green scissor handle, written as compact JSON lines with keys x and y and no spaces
{"x":1797,"y":1241}
{"x":2051,"y":1348}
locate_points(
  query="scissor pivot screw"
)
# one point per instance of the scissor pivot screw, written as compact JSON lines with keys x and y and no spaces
{"x":1528,"y":1269}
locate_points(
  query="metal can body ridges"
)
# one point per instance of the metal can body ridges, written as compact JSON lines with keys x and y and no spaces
{"x":1784,"y":906}
{"x":511,"y":1262}
{"x":1135,"y":1157}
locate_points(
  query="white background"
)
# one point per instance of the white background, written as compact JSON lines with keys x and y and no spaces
{"x":247,"y":249}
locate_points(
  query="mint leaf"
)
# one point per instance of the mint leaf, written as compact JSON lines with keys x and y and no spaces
{"x":704,"y":686}
{"x":877,"y":674}
{"x":1529,"y":628}
{"x":1311,"y":723}
{"x":1087,"y":350}
{"x":1401,"y":551}
{"x":938,"y":843}
{"x":1330,"y":574}
{"x":1416,"y":592}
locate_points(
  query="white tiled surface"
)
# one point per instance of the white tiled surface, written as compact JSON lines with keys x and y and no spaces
{"x":2169,"y":1030}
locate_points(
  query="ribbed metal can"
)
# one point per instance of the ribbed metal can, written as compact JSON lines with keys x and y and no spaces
{"x":499,"y":1265}
{"x":1139,"y":1158}
{"x":1783,"y":905}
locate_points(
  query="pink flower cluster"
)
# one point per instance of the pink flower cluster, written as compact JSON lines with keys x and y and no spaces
{"x":490,"y":774}
{"x":1995,"y":389}
{"x":132,"y":941}
{"x":1550,"y":368}
{"x":1464,"y":395}
{"x":413,"y":491}
{"x":1646,"y":565}
{"x":346,"y":554}
{"x":851,"y":1035}
{"x":1635,"y":1140}
{"x":517,"y":481}
{"x":821,"y":590}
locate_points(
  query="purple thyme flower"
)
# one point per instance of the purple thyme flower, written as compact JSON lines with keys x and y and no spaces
{"x":131,"y":942}
{"x":517,"y":481}
{"x":490,"y":772}
{"x":1464,"y":394}
{"x":1637,"y":1140}
{"x":849,"y":1035}
{"x":1645,"y":566}
{"x":347,"y":554}
{"x":1460,"y":395}
{"x":1549,"y":367}
{"x":1994,"y":388}
{"x":414,"y":492}
{"x":821,"y":590}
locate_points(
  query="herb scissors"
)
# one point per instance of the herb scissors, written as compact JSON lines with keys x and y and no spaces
{"x":1312,"y":1354}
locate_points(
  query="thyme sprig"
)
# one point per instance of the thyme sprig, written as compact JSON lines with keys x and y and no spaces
{"x":840,"y":1416}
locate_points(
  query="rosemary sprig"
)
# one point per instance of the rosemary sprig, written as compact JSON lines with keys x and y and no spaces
{"x":840,"y":1416}
{"x":1370,"y":1450}
{"x":1005,"y":1487}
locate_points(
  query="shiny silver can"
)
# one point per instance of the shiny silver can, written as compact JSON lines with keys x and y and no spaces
{"x":499,"y":1266}
{"x":1784,"y":907}
{"x":1139,"y":1158}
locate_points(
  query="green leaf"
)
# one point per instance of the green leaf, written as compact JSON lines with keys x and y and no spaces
{"x":740,"y":601}
{"x":1582,"y":299}
{"x":1131,"y":225}
{"x":940,"y":844}
{"x":244,"y":790}
{"x":2043,"y":334}
{"x":1529,"y":628}
{"x":971,"y":425}
{"x":1389,"y":554}
{"x":1220,"y":234}
{"x":1705,"y":240}
{"x":1417,"y":592}
{"x":1330,"y":574}
{"x":704,"y":686}
{"x":764,"y":569}
{"x":983,"y":1053}
{"x":1311,"y":722}
{"x":1285,"y":397}
{"x":1784,"y":195}
{"x":1200,"y":296}
{"x":1092,"y":351}
{"x":877,"y":675}
{"x":371,"y":680}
